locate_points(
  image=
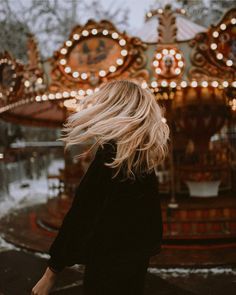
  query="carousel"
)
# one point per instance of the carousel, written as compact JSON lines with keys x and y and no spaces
{"x":191,"y":71}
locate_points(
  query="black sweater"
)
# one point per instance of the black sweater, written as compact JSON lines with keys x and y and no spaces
{"x":130,"y":222}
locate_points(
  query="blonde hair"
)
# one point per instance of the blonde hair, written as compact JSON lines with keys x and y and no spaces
{"x":125,"y":112}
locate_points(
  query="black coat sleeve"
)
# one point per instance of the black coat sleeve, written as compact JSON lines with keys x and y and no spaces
{"x":79,"y":220}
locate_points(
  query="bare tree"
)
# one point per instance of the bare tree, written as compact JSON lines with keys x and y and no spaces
{"x":50,"y":21}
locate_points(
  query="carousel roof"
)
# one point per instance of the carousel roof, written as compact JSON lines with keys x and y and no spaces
{"x":186,"y":59}
{"x":186,"y":29}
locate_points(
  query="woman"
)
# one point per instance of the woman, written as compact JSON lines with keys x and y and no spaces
{"x":114,"y":224}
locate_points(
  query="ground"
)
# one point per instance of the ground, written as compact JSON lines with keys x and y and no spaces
{"x":20,"y":270}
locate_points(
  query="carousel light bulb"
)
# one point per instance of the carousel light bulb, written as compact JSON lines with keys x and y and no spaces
{"x":149,"y":14}
{"x":213,"y":46}
{"x":84,"y":76}
{"x":164,"y":83}
{"x":124,"y":52}
{"x":219,"y":56}
{"x":233,"y":21}
{"x":114,"y":35}
{"x":144,"y":84}
{"x":27,"y":83}
{"x":173,"y":84}
{"x":155,"y":63}
{"x":194,"y":83}
{"x":73,"y":93}
{"x":229,"y":63}
{"x":75,"y":74}
{"x":65,"y":94}
{"x":76,"y":36}
{"x":158,"y":71}
{"x":183,"y":11}
{"x":96,"y":89}
{"x":39,"y":80}
{"x":183,"y":84}
{"x":102,"y":73}
{"x":68,"y":43}
{"x":180,"y":63}
{"x":94,"y":31}
{"x":58,"y":95}
{"x":215,"y":34}
{"x":119,"y":61}
{"x":215,"y":84}
{"x":112,"y":69}
{"x":63,"y":51}
{"x":51,"y":96}
{"x":89,"y":91}
{"x":81,"y":92}
{"x":223,"y":27}
{"x":165,"y":51}
{"x":234,"y":83}
{"x":204,"y":83}
{"x":178,"y":56}
{"x":44,"y":97}
{"x":225,"y":83}
{"x":85,"y":33}
{"x":154,"y":84}
{"x":158,"y":55}
{"x":160,"y":10}
{"x":67,"y":70}
{"x":122,"y":42}
{"x":38,"y":98}
{"x":63,"y":61}
{"x":177,"y":71}
{"x":105,"y":32}
{"x":172,"y":52}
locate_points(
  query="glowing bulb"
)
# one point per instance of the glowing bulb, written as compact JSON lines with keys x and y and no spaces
{"x":63,"y":61}
{"x":233,"y":21}
{"x":122,"y":42}
{"x":85,"y":33}
{"x":194,"y":83}
{"x":172,"y":52}
{"x":225,"y":83}
{"x":177,"y":71}
{"x":229,"y":63}
{"x":63,"y":51}
{"x":75,"y":74}
{"x":183,"y":84}
{"x":94,"y":31}
{"x":223,"y":27}
{"x":67,"y":70}
{"x":27,"y":83}
{"x":234,"y":83}
{"x":76,"y":36}
{"x":114,"y":35}
{"x":178,"y":56}
{"x":102,"y":73}
{"x":164,"y":83}
{"x":119,"y":61}
{"x":158,"y":71}
{"x":156,"y":63}
{"x":213,"y":46}
{"x":158,"y":55}
{"x":84,"y":76}
{"x":215,"y":34}
{"x":204,"y":83}
{"x":180,"y":63}
{"x":215,"y":84}
{"x":68,"y":43}
{"x":219,"y":56}
{"x":112,"y":69}
{"x":165,"y":51}
{"x":105,"y":32}
{"x":154,"y":84}
{"x":124,"y":52}
{"x":173,"y":84}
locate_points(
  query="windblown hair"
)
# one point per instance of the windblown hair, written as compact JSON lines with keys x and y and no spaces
{"x":128,"y":114}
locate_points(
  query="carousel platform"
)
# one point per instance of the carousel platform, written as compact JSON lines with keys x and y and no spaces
{"x":199,"y":233}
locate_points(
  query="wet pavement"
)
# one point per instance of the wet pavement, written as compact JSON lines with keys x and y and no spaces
{"x":20,"y":270}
